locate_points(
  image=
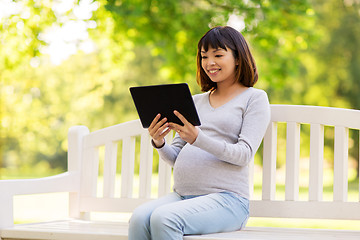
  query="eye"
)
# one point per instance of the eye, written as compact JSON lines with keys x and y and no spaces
{"x":203,"y":57}
{"x":218,"y":55}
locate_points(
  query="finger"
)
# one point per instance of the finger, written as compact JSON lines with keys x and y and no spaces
{"x":162,"y":128}
{"x":176,"y":127}
{"x":164,"y":132}
{"x":154,"y":129}
{"x":156,"y":119}
{"x":181,"y":117}
{"x":160,"y":123}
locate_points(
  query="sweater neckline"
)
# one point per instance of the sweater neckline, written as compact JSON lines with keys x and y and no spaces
{"x":228,"y":102}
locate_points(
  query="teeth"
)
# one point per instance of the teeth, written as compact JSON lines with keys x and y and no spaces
{"x":213,"y":71}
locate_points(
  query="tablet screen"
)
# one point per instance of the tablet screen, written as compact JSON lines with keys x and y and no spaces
{"x":164,"y":99}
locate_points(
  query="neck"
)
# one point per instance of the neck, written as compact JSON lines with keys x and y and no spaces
{"x":226,"y":88}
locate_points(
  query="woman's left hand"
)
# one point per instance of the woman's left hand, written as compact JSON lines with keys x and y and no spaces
{"x":188,"y":132}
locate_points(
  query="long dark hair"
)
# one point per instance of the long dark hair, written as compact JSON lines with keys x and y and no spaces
{"x":227,"y":37}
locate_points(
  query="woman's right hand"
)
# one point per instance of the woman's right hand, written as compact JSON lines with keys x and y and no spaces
{"x":158,"y":130}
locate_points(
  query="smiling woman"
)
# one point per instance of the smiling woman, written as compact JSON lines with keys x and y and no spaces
{"x":211,"y":161}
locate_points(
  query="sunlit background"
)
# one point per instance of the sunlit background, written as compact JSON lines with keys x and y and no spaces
{"x":70,"y":62}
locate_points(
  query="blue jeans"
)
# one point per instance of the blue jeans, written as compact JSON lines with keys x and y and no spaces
{"x":172,"y":216}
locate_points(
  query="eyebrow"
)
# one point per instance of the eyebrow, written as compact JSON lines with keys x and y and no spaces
{"x":216,"y":50}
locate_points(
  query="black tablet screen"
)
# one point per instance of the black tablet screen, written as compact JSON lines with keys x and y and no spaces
{"x":164,"y":99}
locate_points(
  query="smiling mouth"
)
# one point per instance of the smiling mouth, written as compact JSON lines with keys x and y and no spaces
{"x":214,"y":71}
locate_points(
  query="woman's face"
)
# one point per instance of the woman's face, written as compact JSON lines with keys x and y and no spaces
{"x":219,"y":64}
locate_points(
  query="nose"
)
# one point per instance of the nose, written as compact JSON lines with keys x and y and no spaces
{"x":211,"y":62}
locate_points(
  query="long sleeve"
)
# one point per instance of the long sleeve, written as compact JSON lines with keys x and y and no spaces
{"x":169,"y":153}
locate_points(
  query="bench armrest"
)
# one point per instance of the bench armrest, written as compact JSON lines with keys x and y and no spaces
{"x":65,"y":182}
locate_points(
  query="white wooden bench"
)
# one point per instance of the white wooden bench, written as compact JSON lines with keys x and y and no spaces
{"x":81,"y":181}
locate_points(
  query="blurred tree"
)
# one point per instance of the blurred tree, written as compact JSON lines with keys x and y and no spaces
{"x":148,"y":42}
{"x":338,"y":57}
{"x":19,"y":32}
{"x":37,"y":96}
{"x":332,"y":62}
{"x":171,"y":30}
{"x":137,"y":42}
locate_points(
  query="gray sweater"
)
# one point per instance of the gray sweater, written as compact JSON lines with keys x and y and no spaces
{"x":228,"y":139}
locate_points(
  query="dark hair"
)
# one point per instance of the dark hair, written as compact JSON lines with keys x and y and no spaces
{"x":227,"y":37}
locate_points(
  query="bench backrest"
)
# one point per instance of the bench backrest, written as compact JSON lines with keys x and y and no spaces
{"x":108,"y":158}
{"x":128,"y":145}
{"x":315,"y":207}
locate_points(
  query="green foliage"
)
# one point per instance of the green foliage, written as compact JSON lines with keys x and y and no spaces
{"x":20,"y":35}
{"x":170,"y":31}
{"x":306,"y":52}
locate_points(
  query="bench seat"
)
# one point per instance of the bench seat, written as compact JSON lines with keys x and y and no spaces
{"x":90,"y":230}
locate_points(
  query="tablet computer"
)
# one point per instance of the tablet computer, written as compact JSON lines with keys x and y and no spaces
{"x":164,"y":99}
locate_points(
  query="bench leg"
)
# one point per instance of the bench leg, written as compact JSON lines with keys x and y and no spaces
{"x":6,"y":211}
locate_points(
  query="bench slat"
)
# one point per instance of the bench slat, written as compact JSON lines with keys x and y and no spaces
{"x":316,"y":162}
{"x":269,"y":163}
{"x":165,"y":174}
{"x":270,"y":233}
{"x":114,"y":133}
{"x":86,"y":230}
{"x":292,"y":161}
{"x":123,"y":205}
{"x":305,"y":209}
{"x":127,"y":167}
{"x":90,"y":172}
{"x":110,"y":169}
{"x":341,"y":143}
{"x":146,"y":164}
{"x":315,"y":114}
{"x":68,"y":230}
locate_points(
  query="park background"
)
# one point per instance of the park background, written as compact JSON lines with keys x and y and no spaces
{"x":69,"y":62}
